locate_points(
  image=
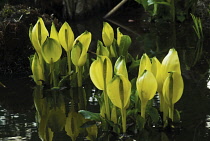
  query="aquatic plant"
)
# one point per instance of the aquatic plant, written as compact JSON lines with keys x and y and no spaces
{"x":101,"y":74}
{"x":119,"y":89}
{"x":169,"y":10}
{"x":121,"y":101}
{"x":146,"y":86}
{"x":197,"y":26}
{"x":66,"y":39}
{"x":79,"y":53}
{"x":172,"y":91}
{"x":49,"y":53}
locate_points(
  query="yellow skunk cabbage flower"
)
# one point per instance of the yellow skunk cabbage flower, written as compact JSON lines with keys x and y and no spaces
{"x":66,"y":37}
{"x":85,"y":39}
{"x":51,"y":50}
{"x":54,"y":32}
{"x":145,"y":64}
{"x":172,"y":90}
{"x":156,"y":65}
{"x":101,"y":71}
{"x":102,"y":50}
{"x":119,"y":91}
{"x":119,"y":35}
{"x":120,"y":67}
{"x":170,"y":63}
{"x":78,"y":54}
{"x":38,"y":35}
{"x":146,"y":86}
{"x":37,"y":70}
{"x":79,"y":51}
{"x":107,"y":34}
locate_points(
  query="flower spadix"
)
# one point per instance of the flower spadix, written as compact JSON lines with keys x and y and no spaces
{"x":38,"y":34}
{"x":51,"y":50}
{"x":101,"y":71}
{"x":66,"y":37}
{"x":119,"y":90}
{"x":145,"y":63}
{"x":37,"y":70}
{"x":146,"y":86}
{"x":107,"y":34}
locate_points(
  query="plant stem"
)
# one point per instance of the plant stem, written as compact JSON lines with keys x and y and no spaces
{"x":53,"y":81}
{"x":123,"y":113}
{"x":79,"y":76}
{"x":171,"y":112}
{"x":106,"y":100}
{"x":165,"y":111}
{"x":69,"y":62}
{"x":173,"y":10}
{"x":143,"y":108}
{"x":161,"y":101}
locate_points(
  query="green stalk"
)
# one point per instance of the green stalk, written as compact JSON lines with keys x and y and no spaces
{"x":52,"y":75}
{"x":143,"y":108}
{"x":106,"y":100}
{"x":171,"y":112}
{"x":79,"y":76}
{"x":165,"y":111}
{"x":173,"y":10}
{"x":123,"y":113}
{"x":171,"y":108}
{"x":69,"y":62}
{"x":42,"y":64}
{"x":161,"y":101}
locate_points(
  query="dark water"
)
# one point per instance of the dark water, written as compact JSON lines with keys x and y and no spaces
{"x":18,"y":115}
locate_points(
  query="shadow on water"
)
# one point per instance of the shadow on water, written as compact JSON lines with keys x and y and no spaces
{"x":30,"y":113}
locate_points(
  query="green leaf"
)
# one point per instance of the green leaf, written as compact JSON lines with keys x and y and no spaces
{"x":125,"y":43}
{"x":88,"y":124}
{"x":90,"y":115}
{"x":153,"y":114}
